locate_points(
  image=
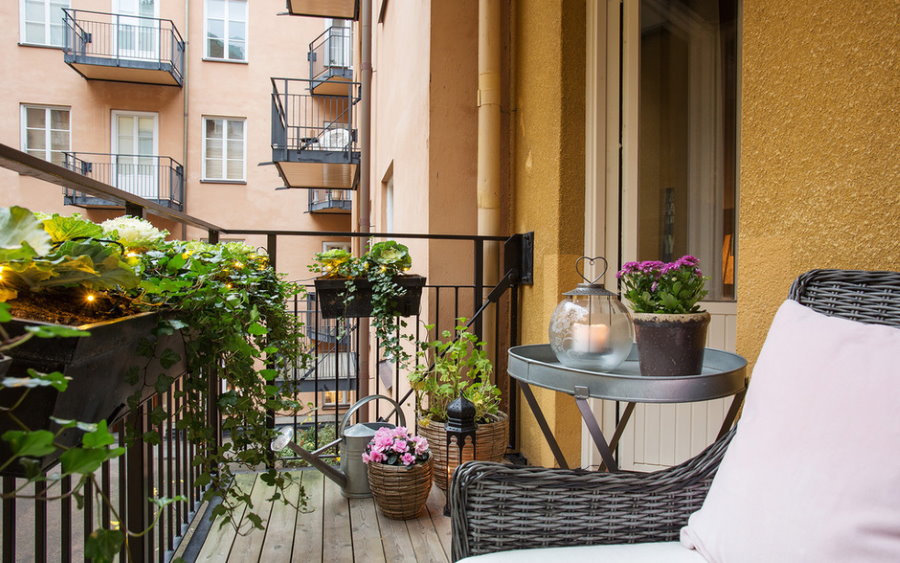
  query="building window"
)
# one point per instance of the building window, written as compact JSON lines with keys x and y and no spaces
{"x":226,"y":30}
{"x":337,"y":399}
{"x":224,"y":144}
{"x":46,"y":132}
{"x":42,"y":22}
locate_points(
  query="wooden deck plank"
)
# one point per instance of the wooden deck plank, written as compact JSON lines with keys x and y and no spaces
{"x":365,"y":531}
{"x":248,"y":543}
{"x":279,"y":542}
{"x":308,"y":532}
{"x":436,"y":502}
{"x":395,"y":540}
{"x":337,"y":544}
{"x":220,"y":539}
{"x":424,"y":537}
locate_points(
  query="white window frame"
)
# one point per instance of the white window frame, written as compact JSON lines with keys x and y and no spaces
{"x":46,"y":42}
{"x":203,"y":175}
{"x":225,"y":39}
{"x":48,"y":148}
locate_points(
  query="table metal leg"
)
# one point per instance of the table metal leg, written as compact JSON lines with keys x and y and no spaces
{"x":732,"y":413}
{"x":542,"y":423}
{"x":581,"y":397}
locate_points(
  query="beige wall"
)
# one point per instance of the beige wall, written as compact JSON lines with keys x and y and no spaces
{"x":277,"y":46}
{"x":548,"y":195}
{"x":820,"y":138}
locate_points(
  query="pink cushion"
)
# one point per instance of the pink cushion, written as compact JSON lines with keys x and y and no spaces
{"x":813,"y":473}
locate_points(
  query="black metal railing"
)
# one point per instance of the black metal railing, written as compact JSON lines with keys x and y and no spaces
{"x":341,"y":358}
{"x":305,"y":122}
{"x":330,"y":201}
{"x":53,"y":525}
{"x":156,"y":178}
{"x":101,"y":38}
{"x":331,"y":54}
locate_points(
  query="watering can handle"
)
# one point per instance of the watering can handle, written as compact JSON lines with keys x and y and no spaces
{"x":362,"y":402}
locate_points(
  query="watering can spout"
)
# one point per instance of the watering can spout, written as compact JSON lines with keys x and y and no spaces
{"x":283,"y":440}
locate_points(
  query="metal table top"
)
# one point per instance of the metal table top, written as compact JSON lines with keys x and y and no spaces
{"x":723,"y":375}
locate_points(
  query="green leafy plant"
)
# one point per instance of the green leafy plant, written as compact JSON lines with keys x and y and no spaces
{"x":380,"y":265}
{"x":228,"y":304}
{"x":666,"y":288}
{"x":453,"y":365}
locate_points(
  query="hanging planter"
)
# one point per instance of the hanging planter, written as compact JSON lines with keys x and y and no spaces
{"x":336,"y":301}
{"x":104,"y":370}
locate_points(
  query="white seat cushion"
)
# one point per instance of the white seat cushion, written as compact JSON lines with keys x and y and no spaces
{"x":813,"y":473}
{"x":658,"y":552}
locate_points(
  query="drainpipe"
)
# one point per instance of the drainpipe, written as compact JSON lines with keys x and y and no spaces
{"x":488,"y":182}
{"x":185,"y":117}
{"x":365,"y":172}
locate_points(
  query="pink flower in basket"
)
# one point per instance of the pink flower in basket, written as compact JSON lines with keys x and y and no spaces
{"x":396,"y":446}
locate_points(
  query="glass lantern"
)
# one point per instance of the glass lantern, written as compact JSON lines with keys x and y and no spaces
{"x":590,"y":329}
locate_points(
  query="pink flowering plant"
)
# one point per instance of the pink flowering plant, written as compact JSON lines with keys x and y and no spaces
{"x":663,"y":287}
{"x":396,"y":446}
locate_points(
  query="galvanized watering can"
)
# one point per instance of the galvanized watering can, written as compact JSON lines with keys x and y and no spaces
{"x":352,"y":475}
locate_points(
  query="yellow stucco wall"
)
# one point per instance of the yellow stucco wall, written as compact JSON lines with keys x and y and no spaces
{"x":820,"y":148}
{"x":548,"y":189}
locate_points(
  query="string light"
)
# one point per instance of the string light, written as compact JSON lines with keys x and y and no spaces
{"x":238,"y":265}
{"x":90,"y":297}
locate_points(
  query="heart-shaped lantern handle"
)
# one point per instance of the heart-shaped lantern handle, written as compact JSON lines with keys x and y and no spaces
{"x":579,"y":267}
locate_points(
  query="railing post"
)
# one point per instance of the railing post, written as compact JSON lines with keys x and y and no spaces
{"x":136,"y":486}
{"x":479,"y":283}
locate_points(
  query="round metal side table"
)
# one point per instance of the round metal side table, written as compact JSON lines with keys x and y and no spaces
{"x":723,"y":375}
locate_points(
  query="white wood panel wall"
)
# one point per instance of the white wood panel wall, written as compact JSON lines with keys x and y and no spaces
{"x":662,"y":435}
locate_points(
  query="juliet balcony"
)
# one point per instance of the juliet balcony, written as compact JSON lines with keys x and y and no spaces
{"x":123,"y":48}
{"x":331,"y":61}
{"x":314,"y":137}
{"x":159,"y":179}
{"x":337,"y":9}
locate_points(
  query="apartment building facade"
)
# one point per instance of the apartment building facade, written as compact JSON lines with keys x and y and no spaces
{"x":171,"y":100}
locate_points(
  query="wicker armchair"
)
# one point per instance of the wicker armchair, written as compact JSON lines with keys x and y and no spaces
{"x":499,"y":507}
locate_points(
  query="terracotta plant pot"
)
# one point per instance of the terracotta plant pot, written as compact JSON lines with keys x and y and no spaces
{"x":401,"y":491}
{"x":330,"y":296}
{"x":670,"y":344}
{"x":491,"y":440}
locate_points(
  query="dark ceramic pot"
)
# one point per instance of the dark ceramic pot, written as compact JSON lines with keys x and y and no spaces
{"x":330,"y":296}
{"x":670,"y":344}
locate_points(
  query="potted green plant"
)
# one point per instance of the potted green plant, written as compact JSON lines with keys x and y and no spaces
{"x":375,"y":285}
{"x":453,"y":365}
{"x":669,"y":325}
{"x":223,"y":303}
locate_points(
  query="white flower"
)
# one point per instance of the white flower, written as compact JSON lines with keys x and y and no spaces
{"x":133,"y":232}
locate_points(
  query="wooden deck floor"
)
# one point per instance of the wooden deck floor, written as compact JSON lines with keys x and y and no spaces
{"x":333,"y":530}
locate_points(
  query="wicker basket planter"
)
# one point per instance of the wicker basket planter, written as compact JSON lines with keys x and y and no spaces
{"x":490,"y":445}
{"x":401,"y":491}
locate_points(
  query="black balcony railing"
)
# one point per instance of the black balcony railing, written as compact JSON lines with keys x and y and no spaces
{"x":156,"y":178}
{"x":331,"y":55}
{"x":330,"y":201}
{"x":132,"y":45}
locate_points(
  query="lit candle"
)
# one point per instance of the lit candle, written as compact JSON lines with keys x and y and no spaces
{"x":589,"y":338}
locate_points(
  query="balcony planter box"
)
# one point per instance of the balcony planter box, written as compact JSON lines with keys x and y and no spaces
{"x":330,"y":296}
{"x":104,"y":370}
